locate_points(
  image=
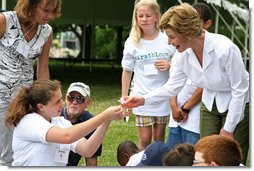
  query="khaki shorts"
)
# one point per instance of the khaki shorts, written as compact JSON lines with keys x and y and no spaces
{"x":150,"y":120}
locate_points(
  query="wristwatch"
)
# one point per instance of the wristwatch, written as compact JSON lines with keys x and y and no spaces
{"x":184,"y":109}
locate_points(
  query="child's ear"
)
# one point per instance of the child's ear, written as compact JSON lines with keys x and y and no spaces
{"x":214,"y":164}
{"x":207,"y":24}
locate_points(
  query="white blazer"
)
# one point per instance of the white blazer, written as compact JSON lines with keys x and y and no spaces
{"x":223,"y":77}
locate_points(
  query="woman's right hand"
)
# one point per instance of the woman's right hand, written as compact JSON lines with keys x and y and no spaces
{"x":133,"y":101}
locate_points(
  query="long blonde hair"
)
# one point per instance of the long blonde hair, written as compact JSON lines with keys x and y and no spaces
{"x":136,"y":32}
{"x":26,"y":9}
{"x":41,"y":91}
{"x":182,"y":19}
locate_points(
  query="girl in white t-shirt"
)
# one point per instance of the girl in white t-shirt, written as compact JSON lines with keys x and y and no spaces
{"x":147,"y":55}
{"x":41,"y":137}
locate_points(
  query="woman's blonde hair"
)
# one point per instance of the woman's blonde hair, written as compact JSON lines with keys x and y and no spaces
{"x":136,"y":32}
{"x":41,"y":91}
{"x":26,"y":9}
{"x":182,"y":19}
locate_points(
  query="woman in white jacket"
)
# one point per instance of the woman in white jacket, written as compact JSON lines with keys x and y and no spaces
{"x":212,"y":62}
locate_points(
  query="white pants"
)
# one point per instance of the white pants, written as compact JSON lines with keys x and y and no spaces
{"x":6,"y":152}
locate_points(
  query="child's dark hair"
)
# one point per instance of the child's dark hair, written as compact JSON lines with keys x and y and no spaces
{"x":181,"y":155}
{"x":203,"y":10}
{"x":126,"y":147}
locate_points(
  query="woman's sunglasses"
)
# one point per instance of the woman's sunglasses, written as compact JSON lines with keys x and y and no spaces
{"x":79,"y":99}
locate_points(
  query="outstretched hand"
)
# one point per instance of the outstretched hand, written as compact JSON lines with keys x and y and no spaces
{"x":115,"y":112}
{"x":132,"y":101}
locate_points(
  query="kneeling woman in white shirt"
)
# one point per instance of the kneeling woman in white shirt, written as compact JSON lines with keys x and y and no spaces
{"x":41,"y":137}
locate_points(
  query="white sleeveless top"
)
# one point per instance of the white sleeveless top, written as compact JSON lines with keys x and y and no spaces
{"x":17,"y":69}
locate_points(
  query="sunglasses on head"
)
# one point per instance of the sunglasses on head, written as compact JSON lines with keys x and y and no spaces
{"x":79,"y":99}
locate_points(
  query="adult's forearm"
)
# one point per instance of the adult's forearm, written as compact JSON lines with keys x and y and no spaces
{"x":88,"y":148}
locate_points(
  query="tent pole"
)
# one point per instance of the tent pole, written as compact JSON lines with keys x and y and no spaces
{"x":84,"y":43}
{"x":3,"y":4}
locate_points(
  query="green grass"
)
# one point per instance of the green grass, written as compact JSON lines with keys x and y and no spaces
{"x":105,"y":85}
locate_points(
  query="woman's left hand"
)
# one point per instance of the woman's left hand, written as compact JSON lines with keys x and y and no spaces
{"x":226,"y":133}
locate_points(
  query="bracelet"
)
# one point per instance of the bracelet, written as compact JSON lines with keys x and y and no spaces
{"x":185,"y":110}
